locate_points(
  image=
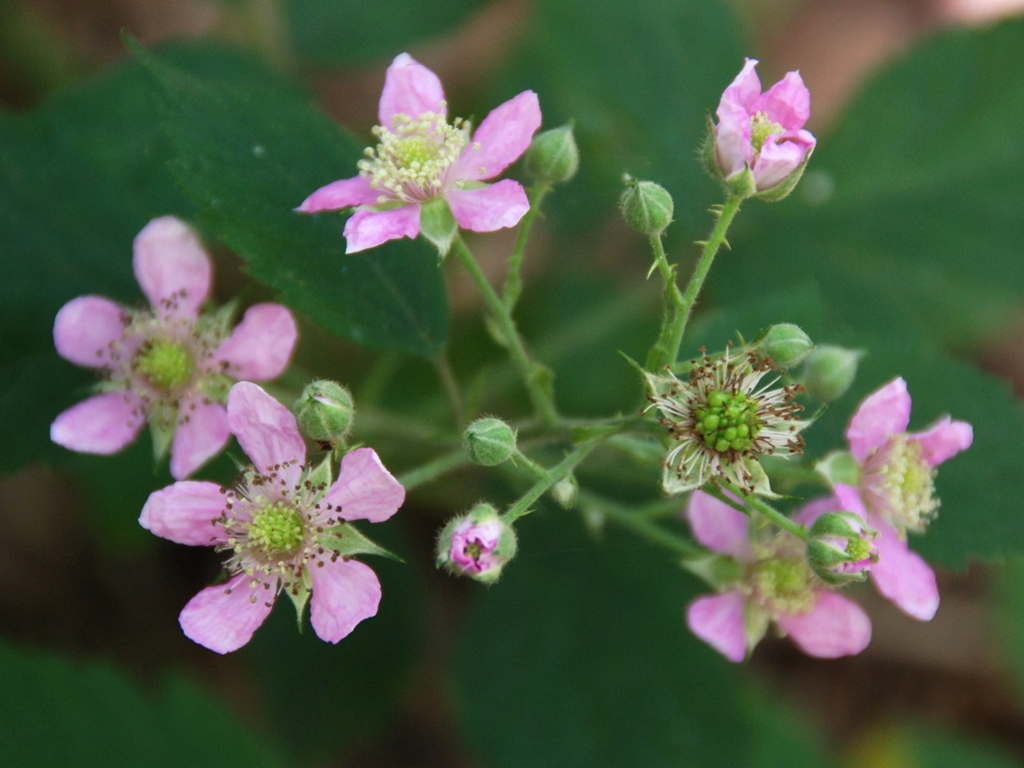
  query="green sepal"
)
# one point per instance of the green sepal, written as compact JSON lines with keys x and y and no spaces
{"x":784,"y":187}
{"x":216,"y":387}
{"x":438,"y":225}
{"x":762,"y":486}
{"x":221,"y":321}
{"x":162,"y":422}
{"x":839,"y":467}
{"x":720,"y":571}
{"x":709,"y":149}
{"x":741,"y":184}
{"x":300,"y":599}
{"x":755,"y":624}
{"x":322,"y":474}
{"x":347,"y":541}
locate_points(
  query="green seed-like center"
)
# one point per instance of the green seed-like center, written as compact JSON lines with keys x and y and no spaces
{"x":728,"y":421}
{"x":761,"y":127}
{"x":277,"y":530}
{"x":414,"y":150}
{"x":785,"y":584}
{"x":167,"y":364}
{"x":858,"y":549}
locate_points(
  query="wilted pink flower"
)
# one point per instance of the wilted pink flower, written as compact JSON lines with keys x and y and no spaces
{"x":422,"y":157}
{"x":477,"y":545}
{"x":775,"y":583}
{"x":896,"y":490}
{"x":285,"y":531}
{"x":763,"y":131}
{"x":168,"y":365}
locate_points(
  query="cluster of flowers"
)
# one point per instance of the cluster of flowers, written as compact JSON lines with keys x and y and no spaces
{"x":287,"y":526}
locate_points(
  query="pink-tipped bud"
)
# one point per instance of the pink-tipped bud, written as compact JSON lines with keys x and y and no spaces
{"x":477,"y":544}
{"x":841,"y":548}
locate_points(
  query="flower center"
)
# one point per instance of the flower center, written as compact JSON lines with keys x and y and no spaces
{"x":859,"y":549}
{"x":167,"y":364}
{"x":903,"y":482}
{"x":728,"y":421}
{"x":473,"y":550}
{"x":784,"y":584}
{"x":276,"y":531}
{"x":411,"y":161}
{"x":761,"y":127}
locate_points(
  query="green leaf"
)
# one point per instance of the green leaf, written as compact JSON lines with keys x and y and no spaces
{"x":332,"y":32}
{"x":57,"y":712}
{"x":638,"y":79}
{"x":250,"y":150}
{"x":603,"y":625}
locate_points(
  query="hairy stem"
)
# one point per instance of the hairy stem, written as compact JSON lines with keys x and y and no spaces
{"x":514,"y":281}
{"x":551,"y":476}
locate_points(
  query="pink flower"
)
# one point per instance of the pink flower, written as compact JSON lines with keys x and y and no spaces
{"x":775,"y":583}
{"x":168,"y":365}
{"x":477,"y":545}
{"x":896,"y":490}
{"x":286,"y":530}
{"x":422,"y":157}
{"x":763,"y":132}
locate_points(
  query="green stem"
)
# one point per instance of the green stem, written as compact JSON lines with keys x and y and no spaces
{"x":451,"y":388}
{"x":514,"y":281}
{"x":666,"y":348}
{"x":521,"y":458}
{"x":532,"y":372}
{"x":770,"y":512}
{"x":433,"y":469}
{"x":642,"y":525}
{"x":561,"y":470}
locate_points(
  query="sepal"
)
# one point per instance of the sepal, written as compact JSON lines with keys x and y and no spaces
{"x":347,"y":541}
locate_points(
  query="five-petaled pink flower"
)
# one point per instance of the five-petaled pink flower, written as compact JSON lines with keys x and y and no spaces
{"x":286,"y":531}
{"x":763,"y":131}
{"x":168,"y":364}
{"x":896,"y":489}
{"x":774,"y":583}
{"x":422,"y":157}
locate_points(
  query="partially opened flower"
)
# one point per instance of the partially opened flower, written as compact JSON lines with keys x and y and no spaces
{"x":426,"y":170}
{"x":775,"y":584}
{"x":478,"y":544}
{"x":759,"y":140}
{"x":286,"y":527}
{"x":167,"y":365}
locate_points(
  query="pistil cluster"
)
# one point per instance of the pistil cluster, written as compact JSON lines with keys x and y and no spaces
{"x":899,"y":483}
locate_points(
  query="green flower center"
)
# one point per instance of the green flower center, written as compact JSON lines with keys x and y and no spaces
{"x":277,"y":530}
{"x":908,"y":483}
{"x":728,"y":421}
{"x":411,"y":159}
{"x":761,"y":127}
{"x":167,"y":364}
{"x":784,"y":584}
{"x":859,"y":549}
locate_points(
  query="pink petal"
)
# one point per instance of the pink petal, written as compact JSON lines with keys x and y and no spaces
{"x":718,"y":526}
{"x":365,"y":490}
{"x":718,"y":621}
{"x":779,"y":158}
{"x":732,"y":138}
{"x":184,"y":512}
{"x":172,"y":267}
{"x":902,"y":575}
{"x":410,"y":89}
{"x":493,"y":207}
{"x":745,"y":88}
{"x":368,"y":229}
{"x":201,"y":433}
{"x":834,"y":627}
{"x":344,"y":593}
{"x":224,"y":617}
{"x":267,"y":432}
{"x":345,"y":193}
{"x":103,"y":424}
{"x":501,"y":138}
{"x":787,"y":103}
{"x":86,"y":328}
{"x":850,"y":499}
{"x":883,"y":413}
{"x":944,"y":440}
{"x":261,"y":346}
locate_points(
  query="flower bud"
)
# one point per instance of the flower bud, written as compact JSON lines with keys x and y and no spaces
{"x":830,"y":370}
{"x":489,"y":442}
{"x":647,"y":207}
{"x":840,"y":548}
{"x":477,"y":544}
{"x":324,"y":411}
{"x":786,"y":344}
{"x":565,"y":492}
{"x":553,"y":155}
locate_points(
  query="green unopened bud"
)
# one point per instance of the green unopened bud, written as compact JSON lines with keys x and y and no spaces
{"x":647,"y":207}
{"x":830,"y":370}
{"x":565,"y":492}
{"x":786,"y":344}
{"x":840,"y":548}
{"x":324,"y":411}
{"x":477,"y":544}
{"x":489,"y":441}
{"x":553,"y":155}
